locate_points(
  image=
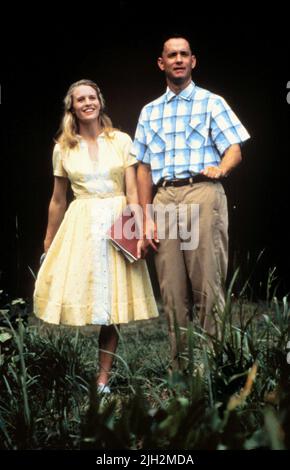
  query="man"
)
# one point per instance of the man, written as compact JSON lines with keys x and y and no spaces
{"x":186,"y":141}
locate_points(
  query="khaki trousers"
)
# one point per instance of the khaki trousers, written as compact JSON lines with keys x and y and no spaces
{"x":191,"y":275}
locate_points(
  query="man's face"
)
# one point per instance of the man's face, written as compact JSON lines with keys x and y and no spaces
{"x":177,"y":61}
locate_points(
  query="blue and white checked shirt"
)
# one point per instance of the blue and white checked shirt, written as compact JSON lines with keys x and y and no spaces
{"x":179,"y":135}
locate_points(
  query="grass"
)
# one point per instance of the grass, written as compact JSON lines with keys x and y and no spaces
{"x":241,"y":401}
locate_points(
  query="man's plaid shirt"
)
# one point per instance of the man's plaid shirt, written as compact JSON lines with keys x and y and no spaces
{"x":179,"y":135}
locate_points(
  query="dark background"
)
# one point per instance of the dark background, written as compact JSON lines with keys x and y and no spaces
{"x":244,"y":58}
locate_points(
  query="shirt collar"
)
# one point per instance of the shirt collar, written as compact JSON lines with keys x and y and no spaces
{"x":83,"y":142}
{"x":185,"y":94}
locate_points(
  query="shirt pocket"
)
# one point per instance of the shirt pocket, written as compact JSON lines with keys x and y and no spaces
{"x":196,"y":133}
{"x":156,"y":146}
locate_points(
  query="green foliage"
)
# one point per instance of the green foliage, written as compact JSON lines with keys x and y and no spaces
{"x":49,"y":401}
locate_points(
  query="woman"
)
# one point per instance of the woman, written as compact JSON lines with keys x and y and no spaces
{"x":83,"y":279}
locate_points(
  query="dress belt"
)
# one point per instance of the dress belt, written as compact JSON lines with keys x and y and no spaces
{"x":184,"y":181}
{"x":98,"y":195}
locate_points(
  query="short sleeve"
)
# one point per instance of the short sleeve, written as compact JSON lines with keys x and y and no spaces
{"x":58,"y":169}
{"x":225,"y":126}
{"x":139,"y":147}
{"x":128,"y":158}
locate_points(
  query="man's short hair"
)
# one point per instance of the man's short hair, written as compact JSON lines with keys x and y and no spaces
{"x":174,"y":35}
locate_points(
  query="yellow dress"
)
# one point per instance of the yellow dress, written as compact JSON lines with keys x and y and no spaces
{"x":84,"y":279}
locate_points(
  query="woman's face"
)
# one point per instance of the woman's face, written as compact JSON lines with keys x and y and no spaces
{"x":85,"y":103}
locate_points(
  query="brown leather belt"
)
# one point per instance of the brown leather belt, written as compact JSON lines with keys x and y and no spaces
{"x":184,"y":181}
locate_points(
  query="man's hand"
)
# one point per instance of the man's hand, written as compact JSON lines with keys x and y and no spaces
{"x":231,"y":158}
{"x":213,"y":172}
{"x":150,"y":236}
{"x":151,"y":233}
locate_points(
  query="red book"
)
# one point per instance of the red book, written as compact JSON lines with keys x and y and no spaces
{"x":123,"y":236}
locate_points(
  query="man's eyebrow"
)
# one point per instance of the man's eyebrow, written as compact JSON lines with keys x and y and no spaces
{"x":182,"y":51}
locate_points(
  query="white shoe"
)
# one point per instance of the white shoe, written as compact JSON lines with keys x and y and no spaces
{"x":102,"y":388}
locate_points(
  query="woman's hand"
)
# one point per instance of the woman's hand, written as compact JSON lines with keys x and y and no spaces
{"x":56,"y":210}
{"x":141,"y":249}
{"x":150,"y":239}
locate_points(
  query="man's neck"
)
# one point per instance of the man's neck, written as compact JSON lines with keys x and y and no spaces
{"x":177,"y":88}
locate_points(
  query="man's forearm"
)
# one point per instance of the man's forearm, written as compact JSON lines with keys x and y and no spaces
{"x":231,"y":159}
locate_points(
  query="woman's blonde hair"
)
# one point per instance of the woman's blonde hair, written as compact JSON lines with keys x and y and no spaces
{"x":68,"y":132}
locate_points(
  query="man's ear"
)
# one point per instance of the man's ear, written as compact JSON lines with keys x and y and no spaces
{"x":160,"y":63}
{"x":193,"y":61}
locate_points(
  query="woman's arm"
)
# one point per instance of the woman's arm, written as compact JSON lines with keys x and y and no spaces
{"x":133,"y":202}
{"x":57,"y":208}
{"x":144,"y":185}
{"x":131,"y":185}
